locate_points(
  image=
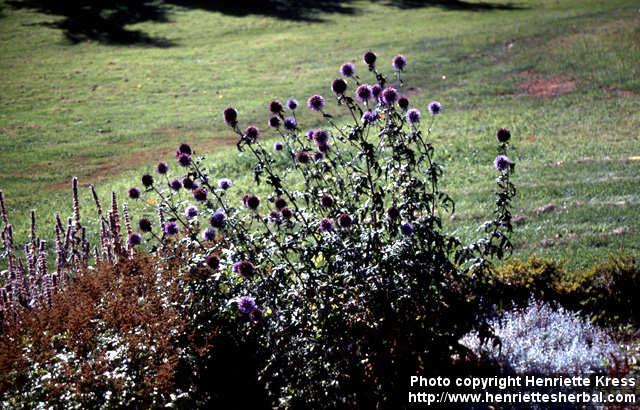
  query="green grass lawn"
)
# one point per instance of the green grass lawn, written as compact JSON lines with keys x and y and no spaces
{"x":105,"y":112}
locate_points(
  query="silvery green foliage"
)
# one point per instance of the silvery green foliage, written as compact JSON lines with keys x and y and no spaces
{"x":542,"y":339}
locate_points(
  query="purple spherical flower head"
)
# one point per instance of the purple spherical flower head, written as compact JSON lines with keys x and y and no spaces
{"x":290,"y":123}
{"x":135,"y":239}
{"x":280,"y":203}
{"x":370,"y":58}
{"x":347,"y":70}
{"x":345,"y":221}
{"x":213,"y":262}
{"x":252,"y":202}
{"x":278,"y":146}
{"x":326,"y":201}
{"x":184,"y":160}
{"x":208,"y":234}
{"x":224,"y":183}
{"x":230,"y":116}
{"x":323,"y":148}
{"x":501,"y":163}
{"x":302,"y":157}
{"x":326,"y":225}
{"x":393,"y":213}
{"x":147,"y":180}
{"x":217,"y":219}
{"x":339,"y":86}
{"x":134,"y":193}
{"x":162,"y":168}
{"x":184,"y":149}
{"x":315,"y":103}
{"x":321,"y":137}
{"x":275,"y":217}
{"x":399,"y":62}
{"x":145,"y":225}
{"x":191,"y":212}
{"x":175,"y":184}
{"x":251,"y":133}
{"x":435,"y":108}
{"x":200,"y":194}
{"x":276,"y":107}
{"x":286,"y":213}
{"x":407,"y":229}
{"x":170,"y":228}
{"x":244,"y":268}
{"x":274,"y":121}
{"x":189,"y":183}
{"x":414,"y":115}
{"x":376,"y":89}
{"x":389,"y":96}
{"x":247,"y":305}
{"x":503,"y":135}
{"x":403,"y":103}
{"x":318,"y":155}
{"x":369,"y":117}
{"x":363,"y":93}
{"x":292,"y":103}
{"x":310,"y":134}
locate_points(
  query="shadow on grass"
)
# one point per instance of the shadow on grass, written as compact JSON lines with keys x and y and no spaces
{"x":105,"y":21}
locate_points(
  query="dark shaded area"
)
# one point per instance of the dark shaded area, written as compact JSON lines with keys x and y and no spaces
{"x":106,"y":20}
{"x":452,"y":5}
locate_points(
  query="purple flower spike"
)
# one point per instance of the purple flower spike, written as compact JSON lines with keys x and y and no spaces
{"x":318,"y":156}
{"x":326,"y":225}
{"x":224,"y":183}
{"x":275,"y":217}
{"x":389,"y":96}
{"x":323,"y":149}
{"x":244,"y":268}
{"x":393,"y":213}
{"x":184,"y":149}
{"x":191,"y":212}
{"x":302,"y":157}
{"x":310,"y":134}
{"x":276,"y":107}
{"x":370,"y":58}
{"x":278,"y":146}
{"x":435,"y":108}
{"x":326,"y":201}
{"x":503,"y":135}
{"x":315,"y":103}
{"x":189,"y":183}
{"x":292,"y":103}
{"x":280,"y":203}
{"x":290,"y":123}
{"x":414,"y":115}
{"x":339,"y":86}
{"x":208,"y":234}
{"x":399,"y":62}
{"x":247,"y":305}
{"x":175,"y":184}
{"x":347,"y":70}
{"x":135,"y":239}
{"x":502,"y":163}
{"x":407,"y":229}
{"x":251,"y":133}
{"x":134,"y":193}
{"x":363,"y":93}
{"x":286,"y":213}
{"x":171,"y":228}
{"x":230,"y":116}
{"x":162,"y":168}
